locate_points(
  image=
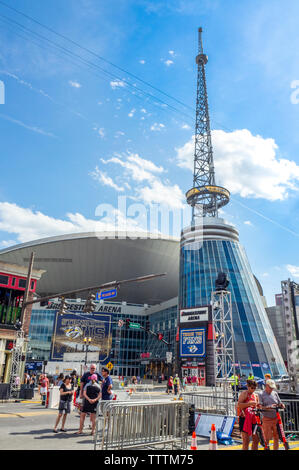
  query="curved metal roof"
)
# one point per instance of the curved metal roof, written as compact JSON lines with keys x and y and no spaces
{"x":88,"y":259}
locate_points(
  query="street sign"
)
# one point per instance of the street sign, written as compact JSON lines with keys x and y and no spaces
{"x":134,"y":325}
{"x":109,"y":365}
{"x":106,"y":294}
{"x":120,"y":323}
{"x":169,"y":357}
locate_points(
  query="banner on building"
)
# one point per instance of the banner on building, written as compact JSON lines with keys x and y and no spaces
{"x":192,"y":342}
{"x":70,"y":330}
{"x":193,"y":315}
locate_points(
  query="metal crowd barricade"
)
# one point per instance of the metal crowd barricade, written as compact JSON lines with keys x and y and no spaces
{"x":211,"y":404}
{"x":290,"y":416}
{"x":142,"y":424}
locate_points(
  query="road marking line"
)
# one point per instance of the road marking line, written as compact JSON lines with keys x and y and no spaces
{"x":23,"y":414}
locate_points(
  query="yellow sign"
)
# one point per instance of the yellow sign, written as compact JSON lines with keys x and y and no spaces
{"x":109,"y":365}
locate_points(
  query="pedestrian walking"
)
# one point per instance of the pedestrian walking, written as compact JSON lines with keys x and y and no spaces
{"x":66,"y":394}
{"x":247,"y":403}
{"x":268,"y":401}
{"x":170,"y":385}
{"x":43,"y":387}
{"x":59,"y":380}
{"x":234,"y":382}
{"x":176,"y":384}
{"x":185,"y":382}
{"x":91,"y":394}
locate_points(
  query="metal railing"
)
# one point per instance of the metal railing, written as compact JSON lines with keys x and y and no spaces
{"x":211,"y":404}
{"x":222,"y":405}
{"x":147,"y":424}
{"x":290,"y":416}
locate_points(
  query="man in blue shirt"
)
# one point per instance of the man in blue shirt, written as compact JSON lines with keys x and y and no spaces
{"x":106,"y":384}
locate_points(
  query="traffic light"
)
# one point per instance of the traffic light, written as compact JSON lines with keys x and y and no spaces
{"x":160,"y":336}
{"x":128,"y":321}
{"x":90,"y":304}
{"x":147,"y":325}
{"x":62,"y":308}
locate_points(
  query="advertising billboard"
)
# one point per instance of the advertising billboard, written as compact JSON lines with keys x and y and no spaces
{"x":193,"y":342}
{"x":70,"y":330}
{"x":195,"y":315}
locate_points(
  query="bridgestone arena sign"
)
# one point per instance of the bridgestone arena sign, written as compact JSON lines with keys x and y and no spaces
{"x":192,"y":315}
{"x":79,"y":307}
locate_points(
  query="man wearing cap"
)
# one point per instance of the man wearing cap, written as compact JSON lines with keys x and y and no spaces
{"x":268,"y":400}
{"x":106,"y":384}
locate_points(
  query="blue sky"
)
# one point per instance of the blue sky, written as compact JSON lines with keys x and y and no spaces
{"x":77,"y":133}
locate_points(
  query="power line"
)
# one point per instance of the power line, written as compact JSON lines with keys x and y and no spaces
{"x":91,"y":64}
{"x":108,"y":62}
{"x":97,"y":55}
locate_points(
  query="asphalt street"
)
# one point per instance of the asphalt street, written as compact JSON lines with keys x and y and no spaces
{"x":28,"y":425}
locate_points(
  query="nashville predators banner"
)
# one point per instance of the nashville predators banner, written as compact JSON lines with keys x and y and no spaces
{"x":70,"y":329}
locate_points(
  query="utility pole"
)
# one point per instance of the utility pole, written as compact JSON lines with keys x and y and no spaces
{"x":25,"y":300}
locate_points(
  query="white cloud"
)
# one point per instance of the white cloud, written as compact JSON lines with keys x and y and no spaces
{"x":104,"y":179}
{"x":142,"y":61}
{"x":28,"y":225}
{"x":157,"y":127}
{"x":117,"y":84}
{"x":148,"y":185}
{"x":171,"y":53}
{"x":136,"y":168}
{"x":168,"y":62}
{"x":294,"y":270}
{"x":75,"y":84}
{"x":162,"y":193}
{"x":247,"y":222}
{"x":132,"y":112}
{"x":6,"y":243}
{"x":247,"y":165}
{"x":101,"y":132}
{"x":186,"y":126}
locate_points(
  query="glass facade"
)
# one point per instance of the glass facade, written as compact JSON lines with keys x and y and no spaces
{"x":200,"y":262}
{"x":40,"y":334}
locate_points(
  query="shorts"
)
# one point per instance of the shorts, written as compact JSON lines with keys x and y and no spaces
{"x":241,"y":424}
{"x":64,"y":406}
{"x":270,"y":428}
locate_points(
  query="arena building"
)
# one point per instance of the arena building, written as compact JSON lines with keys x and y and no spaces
{"x":74,"y":261}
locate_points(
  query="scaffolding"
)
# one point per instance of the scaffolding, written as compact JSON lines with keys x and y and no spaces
{"x":16,"y":362}
{"x":224,"y":351}
{"x":289,"y":290}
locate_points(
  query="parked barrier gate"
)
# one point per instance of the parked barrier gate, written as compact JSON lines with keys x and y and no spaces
{"x":124,"y":425}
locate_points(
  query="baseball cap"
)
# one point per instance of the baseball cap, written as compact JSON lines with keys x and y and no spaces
{"x":271,"y":383}
{"x":94,"y":377}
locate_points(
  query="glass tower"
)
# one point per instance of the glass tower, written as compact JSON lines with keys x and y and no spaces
{"x":214,"y":247}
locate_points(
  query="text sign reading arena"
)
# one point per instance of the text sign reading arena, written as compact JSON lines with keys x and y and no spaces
{"x":190,"y":315}
{"x":192,"y":342}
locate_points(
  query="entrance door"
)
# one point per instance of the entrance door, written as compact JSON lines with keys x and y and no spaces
{"x":202,"y":376}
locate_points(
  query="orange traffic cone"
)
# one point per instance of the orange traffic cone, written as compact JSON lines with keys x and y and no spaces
{"x":193,"y":442}
{"x":213,"y":438}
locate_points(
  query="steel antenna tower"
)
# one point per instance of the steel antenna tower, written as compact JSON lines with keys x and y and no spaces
{"x":205,"y":197}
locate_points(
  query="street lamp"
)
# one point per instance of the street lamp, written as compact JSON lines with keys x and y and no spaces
{"x":87,"y":342}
